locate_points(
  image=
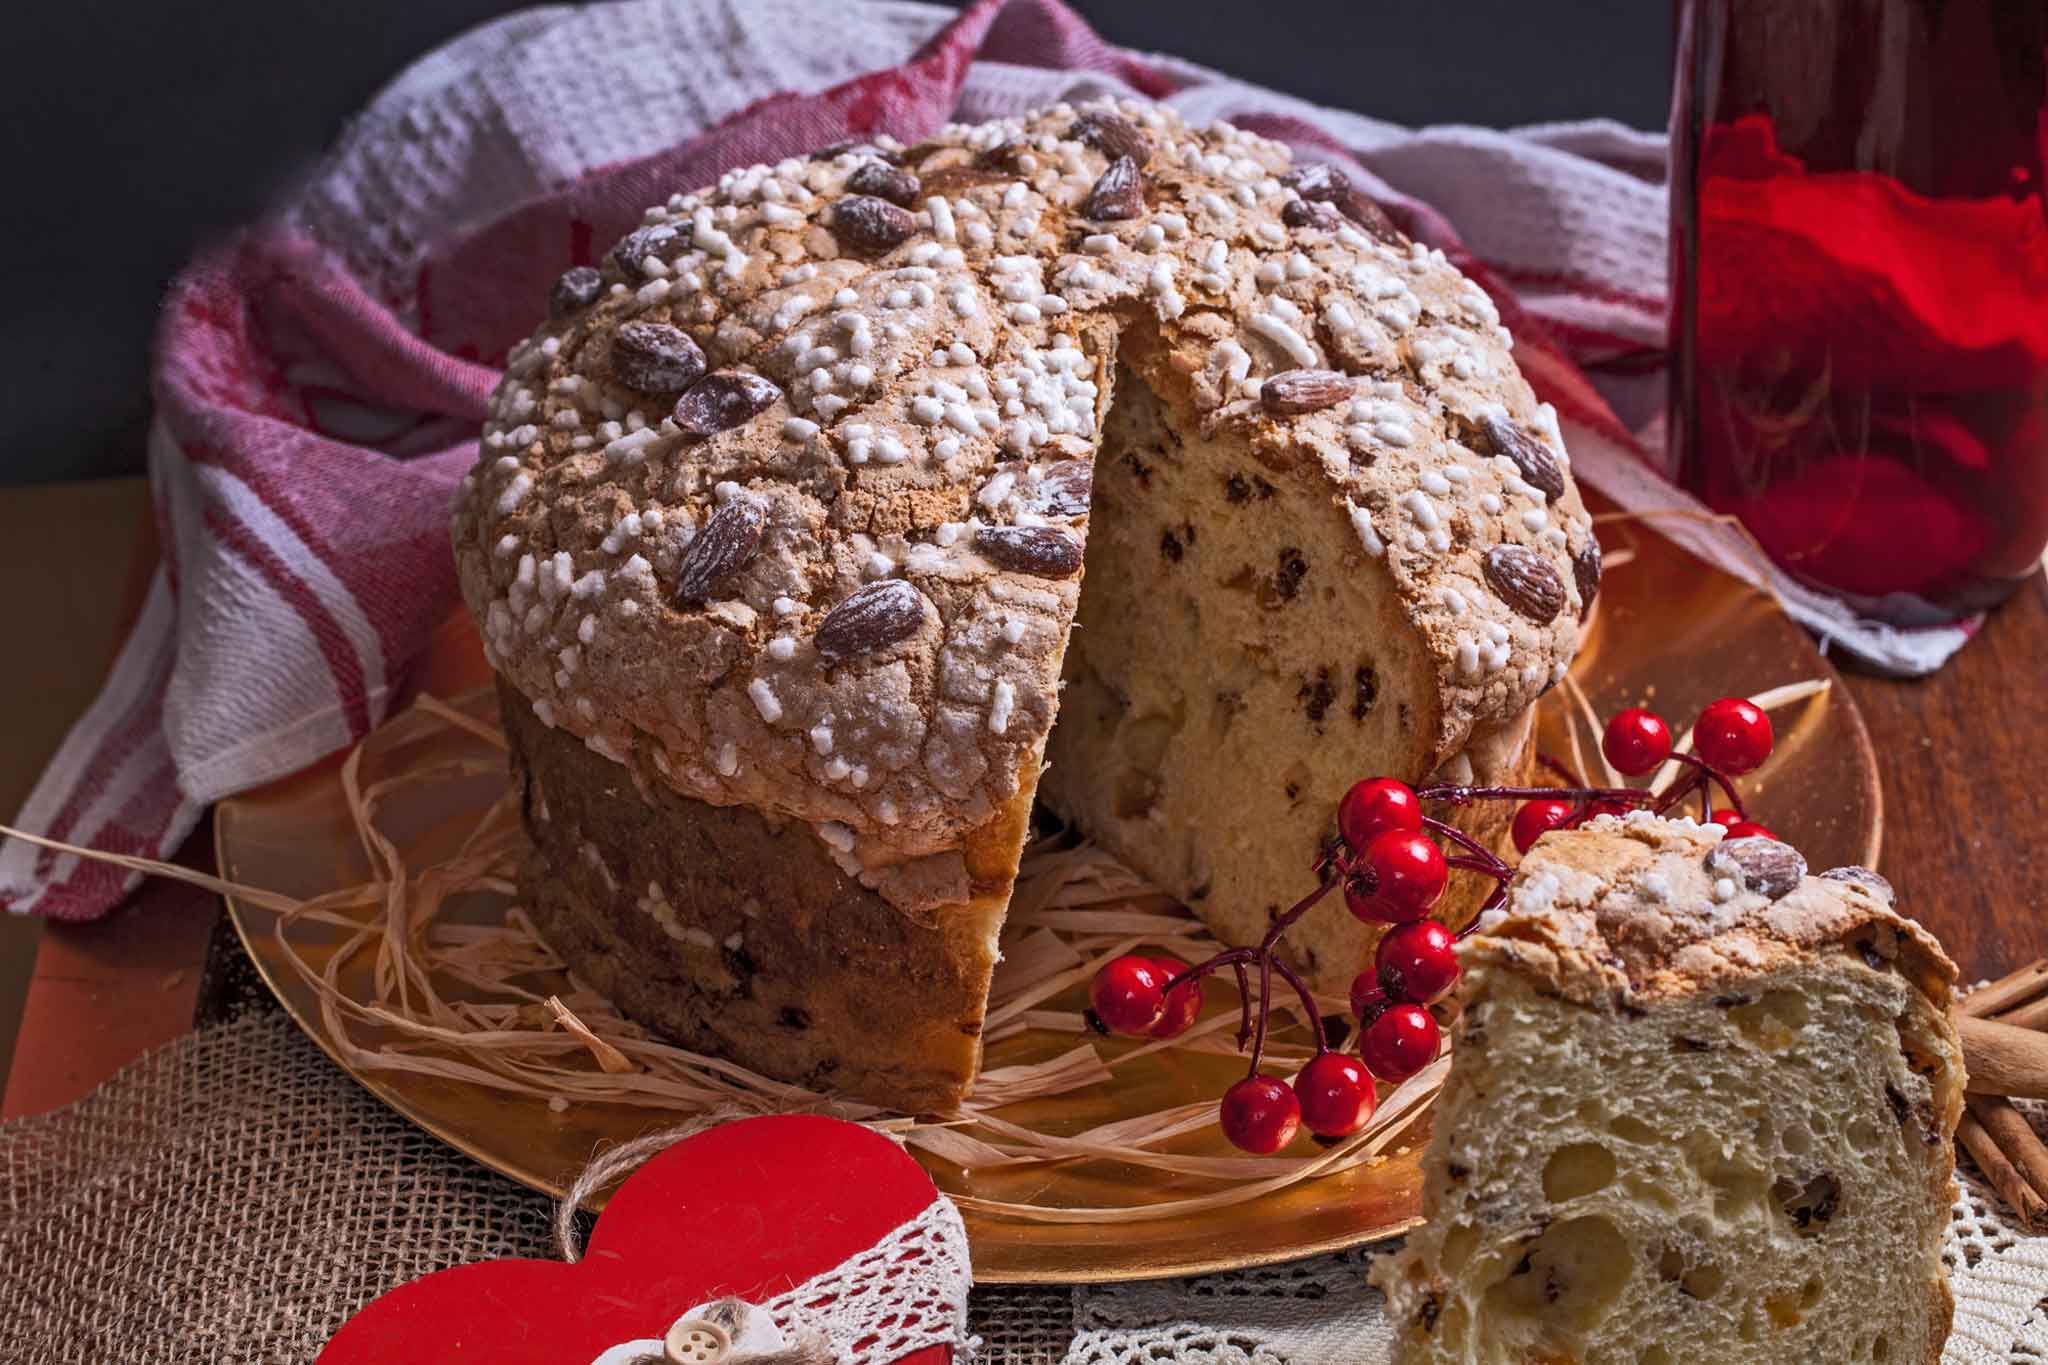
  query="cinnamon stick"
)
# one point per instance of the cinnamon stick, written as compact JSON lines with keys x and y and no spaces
{"x":2033,"y":1015}
{"x":2004,"y":1059}
{"x":2015,"y":1137}
{"x":2005,"y":1178}
{"x":2008,"y":992}
{"x":2006,"y":1054}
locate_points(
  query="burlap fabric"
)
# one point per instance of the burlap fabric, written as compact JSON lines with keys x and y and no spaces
{"x":234,"y":1197}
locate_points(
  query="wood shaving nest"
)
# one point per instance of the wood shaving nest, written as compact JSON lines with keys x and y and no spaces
{"x":493,"y":1006}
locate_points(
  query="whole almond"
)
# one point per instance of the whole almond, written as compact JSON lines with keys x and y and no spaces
{"x":1525,"y":581}
{"x":1309,"y":213}
{"x":1870,"y":881}
{"x":578,"y":287}
{"x":728,"y":541}
{"x":1586,"y":573}
{"x":1538,"y":465}
{"x":883,"y":181}
{"x":1112,"y":135}
{"x":870,"y":224}
{"x":1064,"y":490}
{"x":1359,"y":207}
{"x":1296,"y":391}
{"x":1118,"y":195}
{"x":663,"y":241}
{"x":1768,"y":867}
{"x":654,"y":357}
{"x":871,"y":618}
{"x":722,"y":400}
{"x":1045,"y":551}
{"x":1318,"y":183}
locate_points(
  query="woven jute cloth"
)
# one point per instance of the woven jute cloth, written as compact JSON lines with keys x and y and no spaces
{"x":234,"y":1197}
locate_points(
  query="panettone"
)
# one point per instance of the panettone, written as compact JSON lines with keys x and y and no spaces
{"x":778,"y":542}
{"x":1700,"y":1108}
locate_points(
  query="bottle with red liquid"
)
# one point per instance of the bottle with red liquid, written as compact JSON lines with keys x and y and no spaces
{"x":1860,"y":290}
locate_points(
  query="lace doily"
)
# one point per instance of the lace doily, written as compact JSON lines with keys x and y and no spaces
{"x":904,"y":1293}
{"x":1321,"y":1311}
{"x":1998,"y":1273}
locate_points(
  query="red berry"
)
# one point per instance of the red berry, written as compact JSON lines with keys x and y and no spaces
{"x":1537,"y":818}
{"x":1401,"y":875}
{"x":1748,"y":829}
{"x":1417,"y":962}
{"x":1128,"y":994}
{"x":1366,"y":995}
{"x":1336,"y":1095}
{"x":1183,"y":1003}
{"x":1373,"y":807}
{"x":1732,"y":735}
{"x":1261,"y":1114}
{"x":1399,"y":1041}
{"x":1725,"y":817}
{"x":1636,"y":741}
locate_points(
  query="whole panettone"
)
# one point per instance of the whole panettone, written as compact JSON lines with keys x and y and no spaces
{"x":778,"y":543}
{"x":1701,"y":1108}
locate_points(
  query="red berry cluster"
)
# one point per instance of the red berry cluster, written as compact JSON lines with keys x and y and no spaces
{"x":1393,"y":872}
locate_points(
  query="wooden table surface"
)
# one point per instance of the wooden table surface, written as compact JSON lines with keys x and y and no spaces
{"x":1964,"y":807}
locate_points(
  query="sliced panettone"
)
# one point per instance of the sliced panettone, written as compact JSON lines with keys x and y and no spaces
{"x":780,"y":530}
{"x":1701,"y":1108}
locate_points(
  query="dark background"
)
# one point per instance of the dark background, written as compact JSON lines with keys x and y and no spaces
{"x":131,"y":132}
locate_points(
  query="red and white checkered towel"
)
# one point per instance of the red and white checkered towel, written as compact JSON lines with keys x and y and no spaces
{"x":320,"y":379}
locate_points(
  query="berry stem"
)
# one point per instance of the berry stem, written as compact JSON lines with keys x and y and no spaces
{"x":1484,"y":859}
{"x":1702,"y":774}
{"x":1313,"y":1015}
{"x":1286,"y":918}
{"x":1244,"y":1006}
{"x":1229,"y":957}
{"x":1265,"y":1010}
{"x":1465,"y":796}
{"x":1561,"y":768}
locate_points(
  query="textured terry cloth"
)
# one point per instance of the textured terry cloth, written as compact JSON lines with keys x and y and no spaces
{"x":320,"y":378}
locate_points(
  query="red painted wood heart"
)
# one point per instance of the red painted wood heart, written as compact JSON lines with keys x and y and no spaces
{"x":750,"y":1209}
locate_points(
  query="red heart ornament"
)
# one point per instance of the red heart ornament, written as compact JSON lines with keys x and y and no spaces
{"x":750,"y":1209}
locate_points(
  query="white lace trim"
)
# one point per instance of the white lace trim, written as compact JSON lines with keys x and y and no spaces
{"x":1999,"y":1276}
{"x":904,"y":1293}
{"x":1320,"y":1311}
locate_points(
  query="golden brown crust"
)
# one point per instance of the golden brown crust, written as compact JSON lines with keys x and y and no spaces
{"x":734,"y":937}
{"x":1629,"y":910}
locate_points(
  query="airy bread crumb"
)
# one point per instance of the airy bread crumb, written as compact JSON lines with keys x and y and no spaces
{"x":1687,"y":1126}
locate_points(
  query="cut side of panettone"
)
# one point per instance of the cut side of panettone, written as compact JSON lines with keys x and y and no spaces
{"x":1235,"y":666}
{"x":1700,"y":1108}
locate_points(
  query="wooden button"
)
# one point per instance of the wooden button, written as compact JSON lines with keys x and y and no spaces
{"x":696,"y":1341}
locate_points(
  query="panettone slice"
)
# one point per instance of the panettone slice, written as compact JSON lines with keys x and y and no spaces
{"x":1701,"y":1108}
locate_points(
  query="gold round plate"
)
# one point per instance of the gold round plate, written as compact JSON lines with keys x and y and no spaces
{"x":1670,"y":633}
